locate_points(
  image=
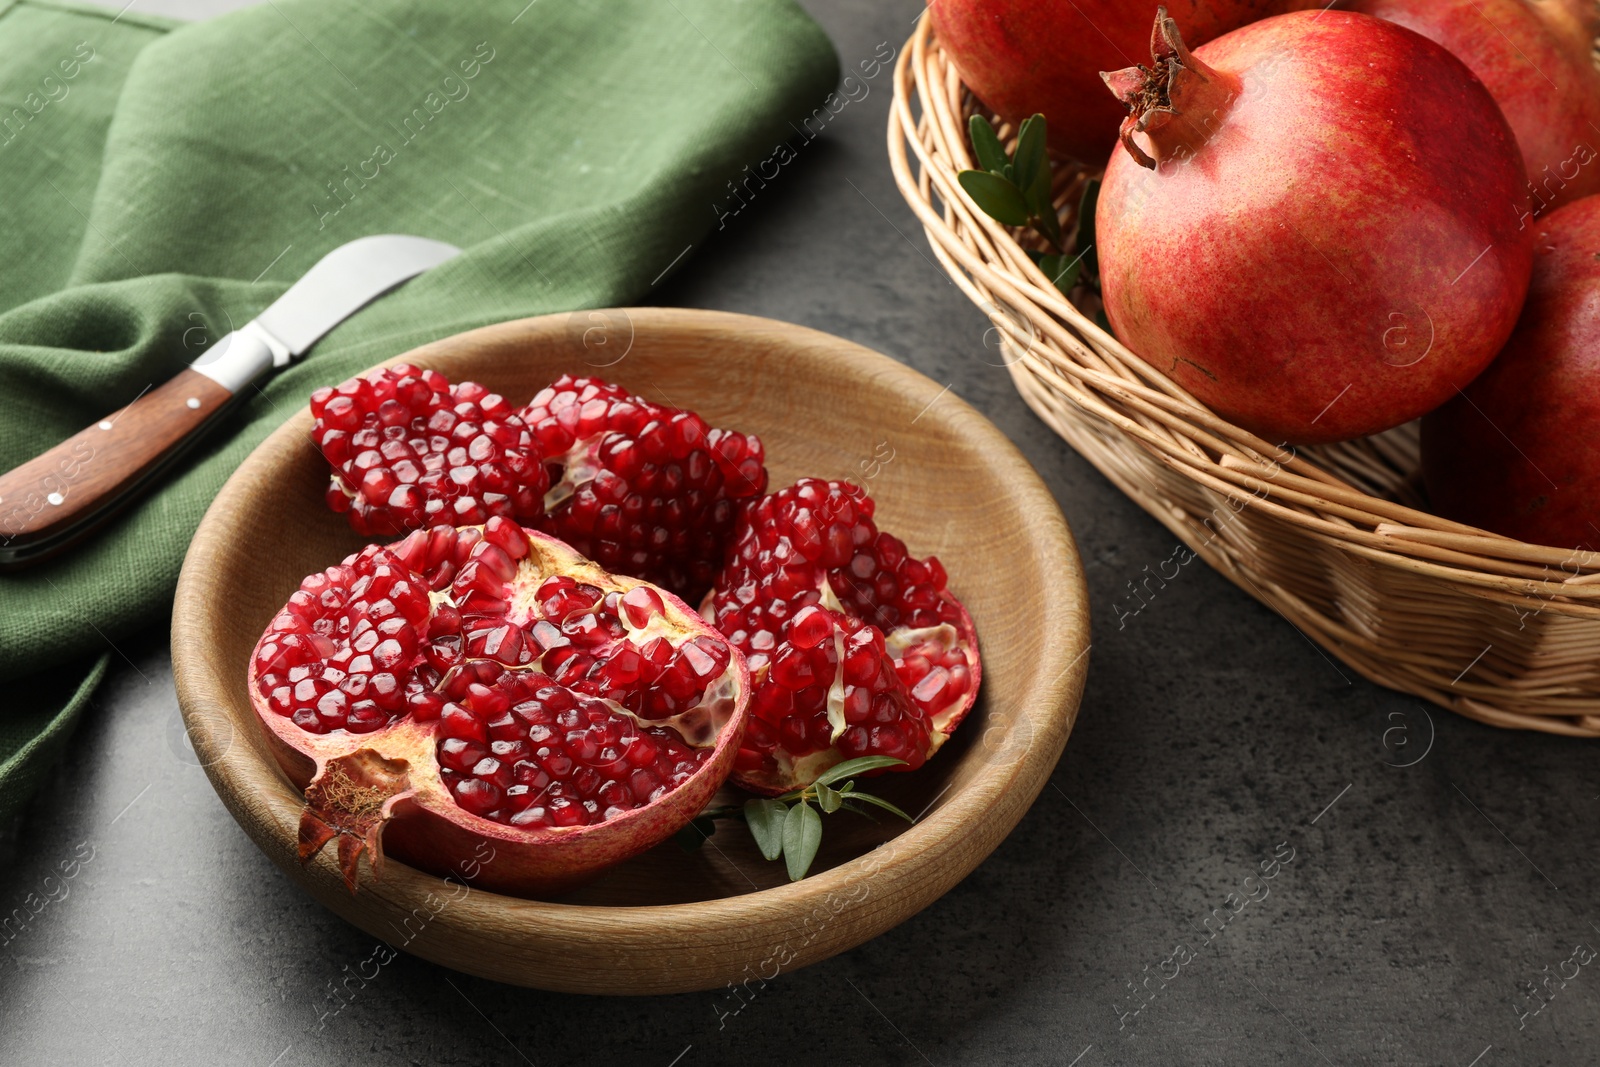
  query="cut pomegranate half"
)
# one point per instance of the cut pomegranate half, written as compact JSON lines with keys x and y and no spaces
{"x":855,"y":647}
{"x":642,"y":488}
{"x":410,"y":450}
{"x":489,"y":684}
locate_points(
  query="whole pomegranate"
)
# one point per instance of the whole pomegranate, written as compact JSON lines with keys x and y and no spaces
{"x":489,"y":685}
{"x":1312,"y":223}
{"x":1519,"y":451}
{"x":1534,"y":58}
{"x":1023,"y":56}
{"x":855,"y":647}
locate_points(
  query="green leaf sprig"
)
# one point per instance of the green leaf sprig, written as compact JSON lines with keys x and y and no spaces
{"x":1015,"y":190}
{"x":788,"y":826}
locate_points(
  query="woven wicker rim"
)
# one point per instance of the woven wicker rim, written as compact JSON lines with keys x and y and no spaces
{"x":1352,"y":497}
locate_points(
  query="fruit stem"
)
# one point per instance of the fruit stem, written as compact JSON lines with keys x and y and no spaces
{"x":1178,"y":102}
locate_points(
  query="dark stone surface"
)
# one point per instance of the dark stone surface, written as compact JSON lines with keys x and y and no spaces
{"x":1418,"y":898}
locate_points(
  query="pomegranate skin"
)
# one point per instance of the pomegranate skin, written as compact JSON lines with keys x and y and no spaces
{"x":1533,"y":57}
{"x":425,"y":830}
{"x":1023,"y":56}
{"x":1519,"y":452}
{"x":1331,"y":241}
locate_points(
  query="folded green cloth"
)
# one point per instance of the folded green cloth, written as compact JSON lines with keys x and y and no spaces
{"x":163,"y":184}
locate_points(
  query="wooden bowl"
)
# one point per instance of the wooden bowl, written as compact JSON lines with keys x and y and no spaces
{"x":672,"y":921}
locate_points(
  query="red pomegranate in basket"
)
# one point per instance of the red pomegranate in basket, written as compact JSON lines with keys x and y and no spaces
{"x":1534,"y":57}
{"x":1313,"y":223}
{"x":1023,"y":56}
{"x":1519,"y":451}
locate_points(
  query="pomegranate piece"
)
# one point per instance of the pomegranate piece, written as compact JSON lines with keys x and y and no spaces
{"x":410,"y":450}
{"x":855,"y":647}
{"x":1519,"y":451}
{"x":488,"y":684}
{"x":1533,"y":57}
{"x":641,"y":488}
{"x":1315,"y":252}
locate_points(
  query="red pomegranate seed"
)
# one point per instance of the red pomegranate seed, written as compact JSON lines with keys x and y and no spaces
{"x":810,"y":626}
{"x":641,"y":604}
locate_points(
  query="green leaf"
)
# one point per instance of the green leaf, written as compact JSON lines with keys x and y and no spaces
{"x":692,"y":836}
{"x":1030,"y":145}
{"x":1033,"y":164}
{"x":1046,"y":219}
{"x":1062,"y":270}
{"x":859,"y":765}
{"x":828,"y":799}
{"x":802,"y":834}
{"x":766,"y":820}
{"x":986,"y":145}
{"x":882,"y":803}
{"x":1038,"y":199}
{"x":1086,"y":239}
{"x":995,"y":196}
{"x":849,"y":805}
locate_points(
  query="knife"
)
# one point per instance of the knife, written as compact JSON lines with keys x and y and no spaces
{"x":54,"y":500}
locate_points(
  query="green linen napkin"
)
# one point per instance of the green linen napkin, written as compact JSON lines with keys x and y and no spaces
{"x":163,"y":184}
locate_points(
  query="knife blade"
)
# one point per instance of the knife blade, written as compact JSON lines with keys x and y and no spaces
{"x":54,"y":500}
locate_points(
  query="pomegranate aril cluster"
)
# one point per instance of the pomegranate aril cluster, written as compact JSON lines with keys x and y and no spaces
{"x":789,"y":710}
{"x":792,"y":549}
{"x":642,"y":488}
{"x":341,"y":653}
{"x":891,"y":588}
{"x":410,"y":450}
{"x":937,"y":677}
{"x":655,"y":679}
{"x":578,"y":634}
{"x":529,"y":752}
{"x":546,"y":703}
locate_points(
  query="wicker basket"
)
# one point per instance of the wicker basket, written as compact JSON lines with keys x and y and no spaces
{"x":1331,"y":537}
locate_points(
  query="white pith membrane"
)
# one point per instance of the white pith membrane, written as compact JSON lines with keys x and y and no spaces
{"x":943,"y":638}
{"x":578,"y":468}
{"x":807,"y":767}
{"x":836,"y":689}
{"x":361,"y":777}
{"x":830,"y":600}
{"x":900,"y":642}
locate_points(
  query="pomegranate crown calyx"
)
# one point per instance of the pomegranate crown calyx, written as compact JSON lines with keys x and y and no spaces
{"x":1160,"y":96}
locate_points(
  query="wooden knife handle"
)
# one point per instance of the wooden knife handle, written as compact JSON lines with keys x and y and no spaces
{"x":46,"y":501}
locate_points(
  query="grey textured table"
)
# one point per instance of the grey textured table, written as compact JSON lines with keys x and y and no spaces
{"x":1438,"y":867}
